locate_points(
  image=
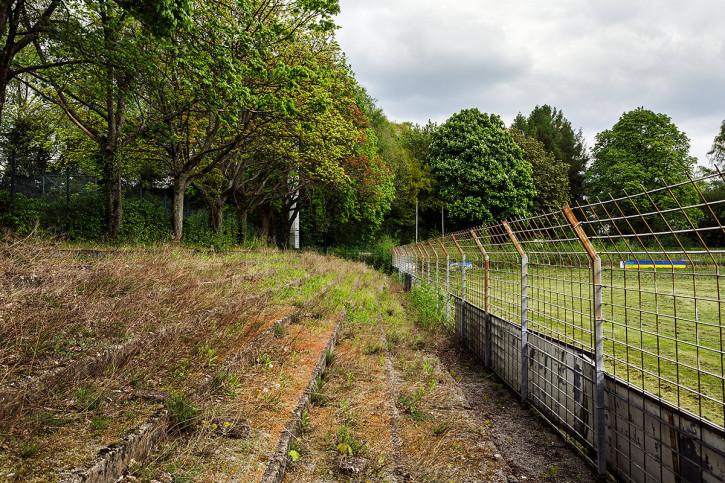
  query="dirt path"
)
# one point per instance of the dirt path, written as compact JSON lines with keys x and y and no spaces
{"x":531,"y":449}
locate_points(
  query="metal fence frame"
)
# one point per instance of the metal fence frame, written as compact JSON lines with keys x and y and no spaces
{"x":552,"y":305}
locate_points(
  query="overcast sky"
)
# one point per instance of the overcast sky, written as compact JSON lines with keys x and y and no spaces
{"x":593,"y":59}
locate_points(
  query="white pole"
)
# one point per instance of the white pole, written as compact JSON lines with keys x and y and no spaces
{"x":294,"y":217}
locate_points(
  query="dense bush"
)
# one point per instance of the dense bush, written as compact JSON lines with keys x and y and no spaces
{"x":22,"y":214}
{"x":198,"y":232}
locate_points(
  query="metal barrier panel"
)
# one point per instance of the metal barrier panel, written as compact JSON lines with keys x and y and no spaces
{"x":506,"y":351}
{"x":608,"y":318}
{"x":562,"y":386}
{"x":653,"y":441}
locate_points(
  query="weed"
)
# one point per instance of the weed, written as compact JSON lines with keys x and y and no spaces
{"x":208,"y":355}
{"x":441,"y":428}
{"x":372,"y":348}
{"x":409,"y":404}
{"x":551,"y":471}
{"x":279,"y":330}
{"x":318,"y":396}
{"x":28,"y":449}
{"x":52,"y":301}
{"x":305,"y":421}
{"x":264,"y":359}
{"x":346,"y":443}
{"x":182,"y":412}
{"x":349,"y":380}
{"x":271,"y":400}
{"x":329,"y":357}
{"x":100,"y":422}
{"x":89,"y":396}
{"x":50,"y":420}
{"x":417,"y":415}
{"x":223,"y":379}
{"x":181,"y":369}
{"x":348,"y":415}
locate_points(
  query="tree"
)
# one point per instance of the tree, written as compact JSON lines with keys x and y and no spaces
{"x":717,"y":151}
{"x":548,"y":173}
{"x":482,"y":174}
{"x":549,"y":126}
{"x":22,"y":23}
{"x":99,"y":92}
{"x":644,"y":151}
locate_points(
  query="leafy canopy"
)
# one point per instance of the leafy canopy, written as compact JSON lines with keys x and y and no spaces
{"x":548,"y":125}
{"x":482,"y":174}
{"x":549,"y":174}
{"x":644,"y":151}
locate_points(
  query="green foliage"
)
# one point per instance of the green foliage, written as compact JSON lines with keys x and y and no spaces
{"x":183,"y":414}
{"x":482,"y":174}
{"x":644,"y":151}
{"x":347,"y":443}
{"x":550,"y":175}
{"x":162,"y":17}
{"x":713,"y":190}
{"x":429,"y":308}
{"x":549,"y":126}
{"x":85,"y":215}
{"x":144,"y":221}
{"x":197,"y":232}
{"x":22,"y":214}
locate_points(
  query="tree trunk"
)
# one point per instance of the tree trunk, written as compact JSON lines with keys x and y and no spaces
{"x":3,"y":89}
{"x":267,"y":213}
{"x":216,"y":214}
{"x":178,"y":210}
{"x":111,"y":185}
{"x":243,"y":224}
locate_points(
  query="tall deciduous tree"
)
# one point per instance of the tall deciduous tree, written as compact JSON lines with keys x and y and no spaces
{"x":100,"y":91}
{"x":644,"y":150}
{"x":549,"y":174}
{"x":549,"y":126}
{"x":482,"y":174}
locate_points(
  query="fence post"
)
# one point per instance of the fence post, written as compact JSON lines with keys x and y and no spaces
{"x":423,"y":257}
{"x":524,"y":314}
{"x":486,"y":317}
{"x":437,"y":287}
{"x":599,"y":423}
{"x":464,"y":331}
{"x":422,"y":262}
{"x":448,"y":281}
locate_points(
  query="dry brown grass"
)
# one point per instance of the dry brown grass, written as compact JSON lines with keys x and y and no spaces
{"x":188,"y":311}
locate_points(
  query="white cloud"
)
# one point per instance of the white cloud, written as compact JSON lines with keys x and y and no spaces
{"x":592,"y":59}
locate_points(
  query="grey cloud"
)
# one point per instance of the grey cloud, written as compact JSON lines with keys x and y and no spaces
{"x":594,"y":60}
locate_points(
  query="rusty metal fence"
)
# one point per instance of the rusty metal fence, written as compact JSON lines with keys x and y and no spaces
{"x":606,"y":317}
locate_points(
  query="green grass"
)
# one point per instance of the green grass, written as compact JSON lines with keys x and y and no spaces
{"x":663,"y":330}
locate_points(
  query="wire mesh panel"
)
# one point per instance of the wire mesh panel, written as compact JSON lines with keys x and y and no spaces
{"x":608,"y":318}
{"x":662,"y":298}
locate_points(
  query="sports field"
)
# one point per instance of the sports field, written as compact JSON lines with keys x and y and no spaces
{"x":663,"y":326}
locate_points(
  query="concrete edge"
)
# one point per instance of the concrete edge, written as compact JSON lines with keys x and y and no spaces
{"x":278,"y":462}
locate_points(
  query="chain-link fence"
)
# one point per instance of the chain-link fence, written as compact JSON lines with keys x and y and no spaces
{"x":606,"y":317}
{"x":70,"y":203}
